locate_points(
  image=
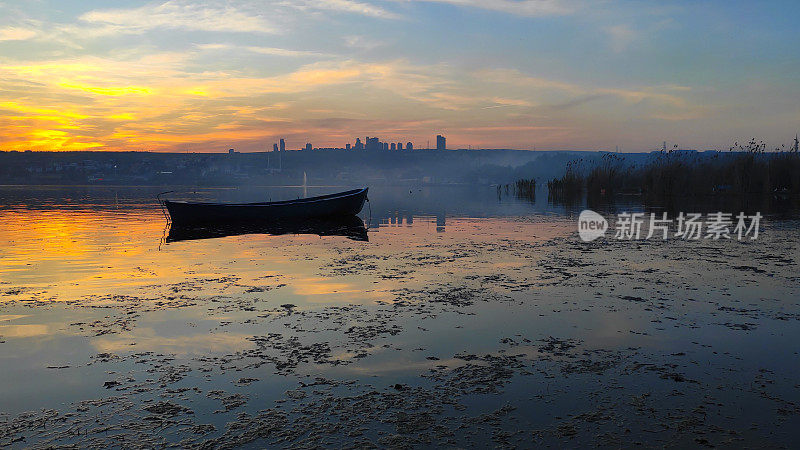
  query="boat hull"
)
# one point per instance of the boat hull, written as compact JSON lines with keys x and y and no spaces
{"x":346,"y":203}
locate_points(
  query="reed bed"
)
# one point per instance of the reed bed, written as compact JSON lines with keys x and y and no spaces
{"x":744,"y":169}
{"x":525,"y":188}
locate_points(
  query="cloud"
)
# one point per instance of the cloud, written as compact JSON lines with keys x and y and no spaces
{"x":579,"y":94}
{"x":274,"y":51}
{"x":347,"y":6}
{"x":361,"y":42}
{"x":282,"y":51}
{"x":158,"y":101}
{"x":502,"y":102}
{"x":529,"y":8}
{"x":16,"y":34}
{"x":621,"y":37}
{"x":180,"y":14}
{"x":515,"y":77}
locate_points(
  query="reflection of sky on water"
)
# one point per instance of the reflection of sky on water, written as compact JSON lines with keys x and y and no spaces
{"x":78,"y":280}
{"x":107,"y":254}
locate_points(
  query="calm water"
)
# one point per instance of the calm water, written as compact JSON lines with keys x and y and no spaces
{"x":468,"y":318}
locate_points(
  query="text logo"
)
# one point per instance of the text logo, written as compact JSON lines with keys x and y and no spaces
{"x":591,"y":225}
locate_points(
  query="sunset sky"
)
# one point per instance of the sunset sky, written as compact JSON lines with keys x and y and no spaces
{"x":554,"y":74}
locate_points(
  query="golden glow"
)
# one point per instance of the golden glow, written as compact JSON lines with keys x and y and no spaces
{"x":123,"y":116}
{"x":110,"y":91}
{"x":160,"y":102}
{"x":200,"y":92}
{"x":38,"y":112}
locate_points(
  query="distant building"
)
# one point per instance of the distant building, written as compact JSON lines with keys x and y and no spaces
{"x":274,"y":147}
{"x":308,"y":147}
{"x":347,"y":147}
{"x":399,"y":145}
{"x":373,"y":144}
{"x":394,"y":146}
{"x":386,"y":146}
{"x":409,"y":146}
{"x":441,"y":142}
{"x":359,"y":144}
{"x":283,"y":145}
{"x":231,"y":151}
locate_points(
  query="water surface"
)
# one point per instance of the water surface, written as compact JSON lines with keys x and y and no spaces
{"x":469,"y":317}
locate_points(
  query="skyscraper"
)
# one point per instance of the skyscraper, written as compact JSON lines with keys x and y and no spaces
{"x":441,"y":142}
{"x":274,"y":147}
{"x":399,"y":145}
{"x":359,"y":144}
{"x":373,"y":144}
{"x":394,"y":146}
{"x":283,"y":145}
{"x":409,"y":146}
{"x":347,"y":147}
{"x":308,"y":147}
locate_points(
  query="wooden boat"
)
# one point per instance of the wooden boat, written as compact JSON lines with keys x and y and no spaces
{"x":351,"y":227}
{"x":348,"y":203}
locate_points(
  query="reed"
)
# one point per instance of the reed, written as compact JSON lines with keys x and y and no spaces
{"x":744,"y":169}
{"x":525,"y":188}
{"x":569,"y":186}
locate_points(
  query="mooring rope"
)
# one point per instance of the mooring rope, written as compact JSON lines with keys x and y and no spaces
{"x":161,"y":203}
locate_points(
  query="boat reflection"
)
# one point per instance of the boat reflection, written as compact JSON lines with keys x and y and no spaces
{"x":351,"y":227}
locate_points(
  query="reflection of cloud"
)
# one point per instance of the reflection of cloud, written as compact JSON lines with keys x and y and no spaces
{"x":5,"y":317}
{"x":24,"y":331}
{"x":397,"y":366}
{"x":321,"y":286}
{"x":147,"y":339}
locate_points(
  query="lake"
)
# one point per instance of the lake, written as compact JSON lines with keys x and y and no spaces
{"x":468,"y":317}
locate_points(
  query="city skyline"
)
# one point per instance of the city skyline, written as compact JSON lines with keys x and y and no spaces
{"x":544,"y":74}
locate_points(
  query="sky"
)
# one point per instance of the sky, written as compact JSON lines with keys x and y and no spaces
{"x":198,"y":76}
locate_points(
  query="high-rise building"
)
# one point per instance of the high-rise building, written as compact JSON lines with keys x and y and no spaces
{"x":385,"y":146}
{"x":347,"y":147}
{"x":274,"y":147}
{"x":308,"y":147}
{"x":394,"y":146}
{"x":409,"y":146}
{"x":231,"y":151}
{"x":373,"y":144}
{"x":283,"y":145}
{"x":399,"y":145}
{"x":441,"y":142}
{"x":359,"y":144}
